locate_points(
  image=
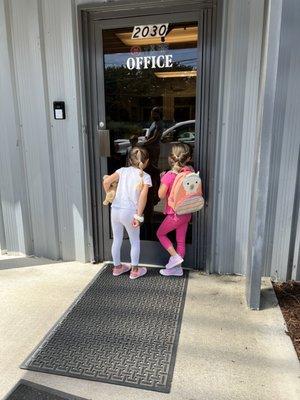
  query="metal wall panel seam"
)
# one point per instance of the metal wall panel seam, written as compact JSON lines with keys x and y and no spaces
{"x":6,"y":178}
{"x":217,"y":91}
{"x":26,"y":226}
{"x":218,"y":189}
{"x":269,"y":106}
{"x":261,"y":165}
{"x":279,"y":112}
{"x":228,"y":207}
{"x":26,"y":216}
{"x":223,"y":135}
{"x":48,"y":128}
{"x":238,"y":81}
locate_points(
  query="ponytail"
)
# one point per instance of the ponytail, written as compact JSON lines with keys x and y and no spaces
{"x":179,"y":156}
{"x":139,"y":158}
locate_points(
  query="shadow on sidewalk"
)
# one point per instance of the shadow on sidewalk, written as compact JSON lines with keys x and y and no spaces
{"x":23,"y":262}
{"x":268,"y":298}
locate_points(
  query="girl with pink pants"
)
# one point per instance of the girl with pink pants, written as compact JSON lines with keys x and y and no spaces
{"x":178,"y":223}
{"x":179,"y":157}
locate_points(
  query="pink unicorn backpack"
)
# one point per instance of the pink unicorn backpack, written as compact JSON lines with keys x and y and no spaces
{"x":186,"y":193}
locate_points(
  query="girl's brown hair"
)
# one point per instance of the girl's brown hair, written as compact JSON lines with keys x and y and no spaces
{"x":179,"y":156}
{"x":139,"y":158}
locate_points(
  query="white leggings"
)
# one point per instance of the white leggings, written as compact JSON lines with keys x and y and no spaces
{"x":120,"y":218}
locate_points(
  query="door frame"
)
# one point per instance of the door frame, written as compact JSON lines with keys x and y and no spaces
{"x":148,"y":248}
{"x":207,"y":85}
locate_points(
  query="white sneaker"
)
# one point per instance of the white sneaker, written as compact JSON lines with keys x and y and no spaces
{"x":138,"y":273}
{"x":175,"y":271}
{"x":174,"y":260}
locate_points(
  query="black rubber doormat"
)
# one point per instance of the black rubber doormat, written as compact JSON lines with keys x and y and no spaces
{"x":119,"y":331}
{"x":25,"y":390}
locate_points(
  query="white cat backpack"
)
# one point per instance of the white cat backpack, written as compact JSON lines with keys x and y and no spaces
{"x":186,"y":193}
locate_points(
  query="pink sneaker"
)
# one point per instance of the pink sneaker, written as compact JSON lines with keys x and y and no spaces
{"x":174,"y":261}
{"x":175,"y":271}
{"x":121,"y":269}
{"x":138,"y":273}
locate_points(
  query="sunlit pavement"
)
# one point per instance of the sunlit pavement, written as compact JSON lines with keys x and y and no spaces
{"x":225,"y":350}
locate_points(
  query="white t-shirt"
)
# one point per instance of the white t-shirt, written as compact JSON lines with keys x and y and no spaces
{"x":128,"y":192}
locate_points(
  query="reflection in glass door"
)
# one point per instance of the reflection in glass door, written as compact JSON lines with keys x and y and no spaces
{"x":141,"y":74}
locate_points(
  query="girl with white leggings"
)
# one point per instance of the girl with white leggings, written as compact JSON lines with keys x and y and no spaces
{"x":127,"y":209}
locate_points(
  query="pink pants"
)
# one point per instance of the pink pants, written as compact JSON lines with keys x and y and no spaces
{"x":173,"y":222}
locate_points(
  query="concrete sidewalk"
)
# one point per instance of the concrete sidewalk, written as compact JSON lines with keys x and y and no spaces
{"x":225,"y":350}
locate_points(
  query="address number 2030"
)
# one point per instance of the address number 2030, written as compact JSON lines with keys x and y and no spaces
{"x":148,"y":31}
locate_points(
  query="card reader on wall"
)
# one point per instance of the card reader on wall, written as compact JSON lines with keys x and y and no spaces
{"x":59,"y":110}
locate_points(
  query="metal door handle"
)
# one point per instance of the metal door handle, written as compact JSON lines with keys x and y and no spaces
{"x":104,"y":142}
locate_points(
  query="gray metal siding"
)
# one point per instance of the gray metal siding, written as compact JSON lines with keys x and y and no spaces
{"x":263,"y":144}
{"x":247,"y":151}
{"x":240,"y":80}
{"x":15,"y":220}
{"x":66,"y":135}
{"x":285,"y":149}
{"x":32,"y":100}
{"x":238,"y":104}
{"x":41,"y":159}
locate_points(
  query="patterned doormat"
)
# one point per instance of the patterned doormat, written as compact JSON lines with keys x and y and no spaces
{"x":25,"y":390}
{"x":119,"y":331}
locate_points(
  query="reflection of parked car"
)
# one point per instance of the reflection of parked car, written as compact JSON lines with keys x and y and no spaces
{"x":187,"y":137}
{"x":121,"y":145}
{"x":181,"y":132}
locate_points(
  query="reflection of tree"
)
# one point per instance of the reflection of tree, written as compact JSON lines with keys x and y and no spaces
{"x":123,"y":86}
{"x":120,"y":129}
{"x":121,"y":81}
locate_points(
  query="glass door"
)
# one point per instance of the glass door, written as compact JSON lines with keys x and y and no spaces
{"x":141,"y":64}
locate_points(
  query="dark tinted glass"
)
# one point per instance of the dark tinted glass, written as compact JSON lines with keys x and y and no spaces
{"x":140,"y":74}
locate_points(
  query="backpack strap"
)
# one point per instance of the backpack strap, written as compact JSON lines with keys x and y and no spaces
{"x":172,"y":196}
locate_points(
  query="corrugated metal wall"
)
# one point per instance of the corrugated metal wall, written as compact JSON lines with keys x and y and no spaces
{"x":283,"y":204}
{"x":242,"y":41}
{"x":242,"y":38}
{"x":43,"y":192}
{"x":42,"y":168}
{"x":16,"y":230}
{"x":240,"y":77}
